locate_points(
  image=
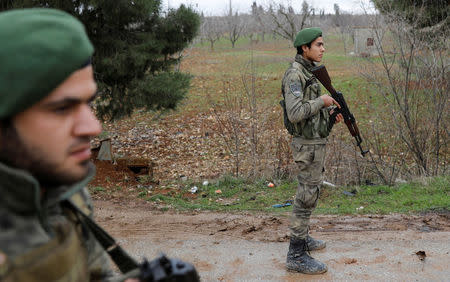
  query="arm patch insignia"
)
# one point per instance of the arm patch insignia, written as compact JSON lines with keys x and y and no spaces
{"x":296,"y":89}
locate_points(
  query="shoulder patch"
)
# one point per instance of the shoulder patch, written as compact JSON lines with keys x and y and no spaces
{"x":296,"y":89}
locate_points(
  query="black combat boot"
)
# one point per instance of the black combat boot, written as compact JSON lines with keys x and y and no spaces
{"x":315,"y":244}
{"x":300,"y":261}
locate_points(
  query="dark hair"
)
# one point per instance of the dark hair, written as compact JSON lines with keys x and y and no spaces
{"x":300,"y":50}
{"x":5,"y":125}
{"x":7,"y":132}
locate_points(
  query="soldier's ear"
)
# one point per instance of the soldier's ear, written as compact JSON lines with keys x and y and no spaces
{"x":305,"y":48}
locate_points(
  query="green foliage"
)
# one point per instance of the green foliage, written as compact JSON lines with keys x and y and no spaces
{"x":96,"y":189}
{"x":103,"y":135}
{"x":404,"y":198}
{"x":419,"y":13}
{"x":136,"y":49}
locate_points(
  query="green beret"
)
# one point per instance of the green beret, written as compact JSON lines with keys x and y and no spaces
{"x":307,"y":35}
{"x":40,"y":48}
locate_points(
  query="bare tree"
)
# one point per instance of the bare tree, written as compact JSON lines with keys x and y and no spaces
{"x":413,"y":81}
{"x":248,"y":78}
{"x":229,"y":121}
{"x":287,"y":23}
{"x":261,"y":20}
{"x":235,"y":26}
{"x":343,"y":21}
{"x":212,"y":30}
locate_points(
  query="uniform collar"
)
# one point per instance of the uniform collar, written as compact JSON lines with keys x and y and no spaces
{"x":306,"y":63}
{"x":21,"y":193}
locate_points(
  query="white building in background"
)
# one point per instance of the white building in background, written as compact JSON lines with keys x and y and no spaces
{"x":365,"y":42}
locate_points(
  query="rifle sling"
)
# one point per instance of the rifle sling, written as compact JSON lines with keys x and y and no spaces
{"x":309,"y":82}
{"x":120,"y":257}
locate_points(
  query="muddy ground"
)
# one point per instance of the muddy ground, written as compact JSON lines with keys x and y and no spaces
{"x":252,"y":247}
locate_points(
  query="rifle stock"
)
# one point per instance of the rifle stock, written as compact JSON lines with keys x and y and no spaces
{"x":321,"y":73}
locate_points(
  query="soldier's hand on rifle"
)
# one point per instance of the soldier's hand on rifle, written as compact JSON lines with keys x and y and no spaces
{"x":339,"y":117}
{"x":328,"y":101}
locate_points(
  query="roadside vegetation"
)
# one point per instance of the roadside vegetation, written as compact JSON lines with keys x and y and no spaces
{"x":233,"y":194}
{"x":229,"y":131}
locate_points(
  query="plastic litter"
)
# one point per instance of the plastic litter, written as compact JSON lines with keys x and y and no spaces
{"x":325,"y":183}
{"x":281,"y":205}
{"x":194,"y":189}
{"x":348,"y":193}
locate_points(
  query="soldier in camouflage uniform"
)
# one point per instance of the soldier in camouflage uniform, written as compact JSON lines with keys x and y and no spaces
{"x":307,"y":113}
{"x":46,"y":83}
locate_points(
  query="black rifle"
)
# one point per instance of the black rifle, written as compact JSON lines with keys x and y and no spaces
{"x":168,"y":269}
{"x":321,"y":73}
{"x":161,"y":269}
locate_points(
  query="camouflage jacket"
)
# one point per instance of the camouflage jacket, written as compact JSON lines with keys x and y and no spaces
{"x":304,"y":107}
{"x":40,"y":238}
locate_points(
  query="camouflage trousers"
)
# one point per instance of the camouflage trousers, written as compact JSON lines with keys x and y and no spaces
{"x":310,"y":162}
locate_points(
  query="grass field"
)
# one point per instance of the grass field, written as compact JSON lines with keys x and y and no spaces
{"x":270,"y":60}
{"x":191,"y":142}
{"x":243,"y":195}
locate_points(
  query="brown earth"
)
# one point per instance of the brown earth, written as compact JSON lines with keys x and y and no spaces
{"x":252,"y":246}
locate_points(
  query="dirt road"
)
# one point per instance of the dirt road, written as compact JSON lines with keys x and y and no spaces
{"x":252,"y":247}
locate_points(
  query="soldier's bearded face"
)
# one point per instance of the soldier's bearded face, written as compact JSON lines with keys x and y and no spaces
{"x":315,"y":53}
{"x":51,"y":139}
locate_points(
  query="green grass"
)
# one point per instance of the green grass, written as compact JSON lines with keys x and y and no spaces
{"x":236,"y":194}
{"x":405,"y":198}
{"x":243,"y":195}
{"x":224,"y":43}
{"x":226,"y":64}
{"x":96,"y":189}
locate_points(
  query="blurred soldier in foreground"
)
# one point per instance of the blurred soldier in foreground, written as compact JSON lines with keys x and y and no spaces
{"x":46,"y":84}
{"x":306,"y":117}
{"x":46,"y":228}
